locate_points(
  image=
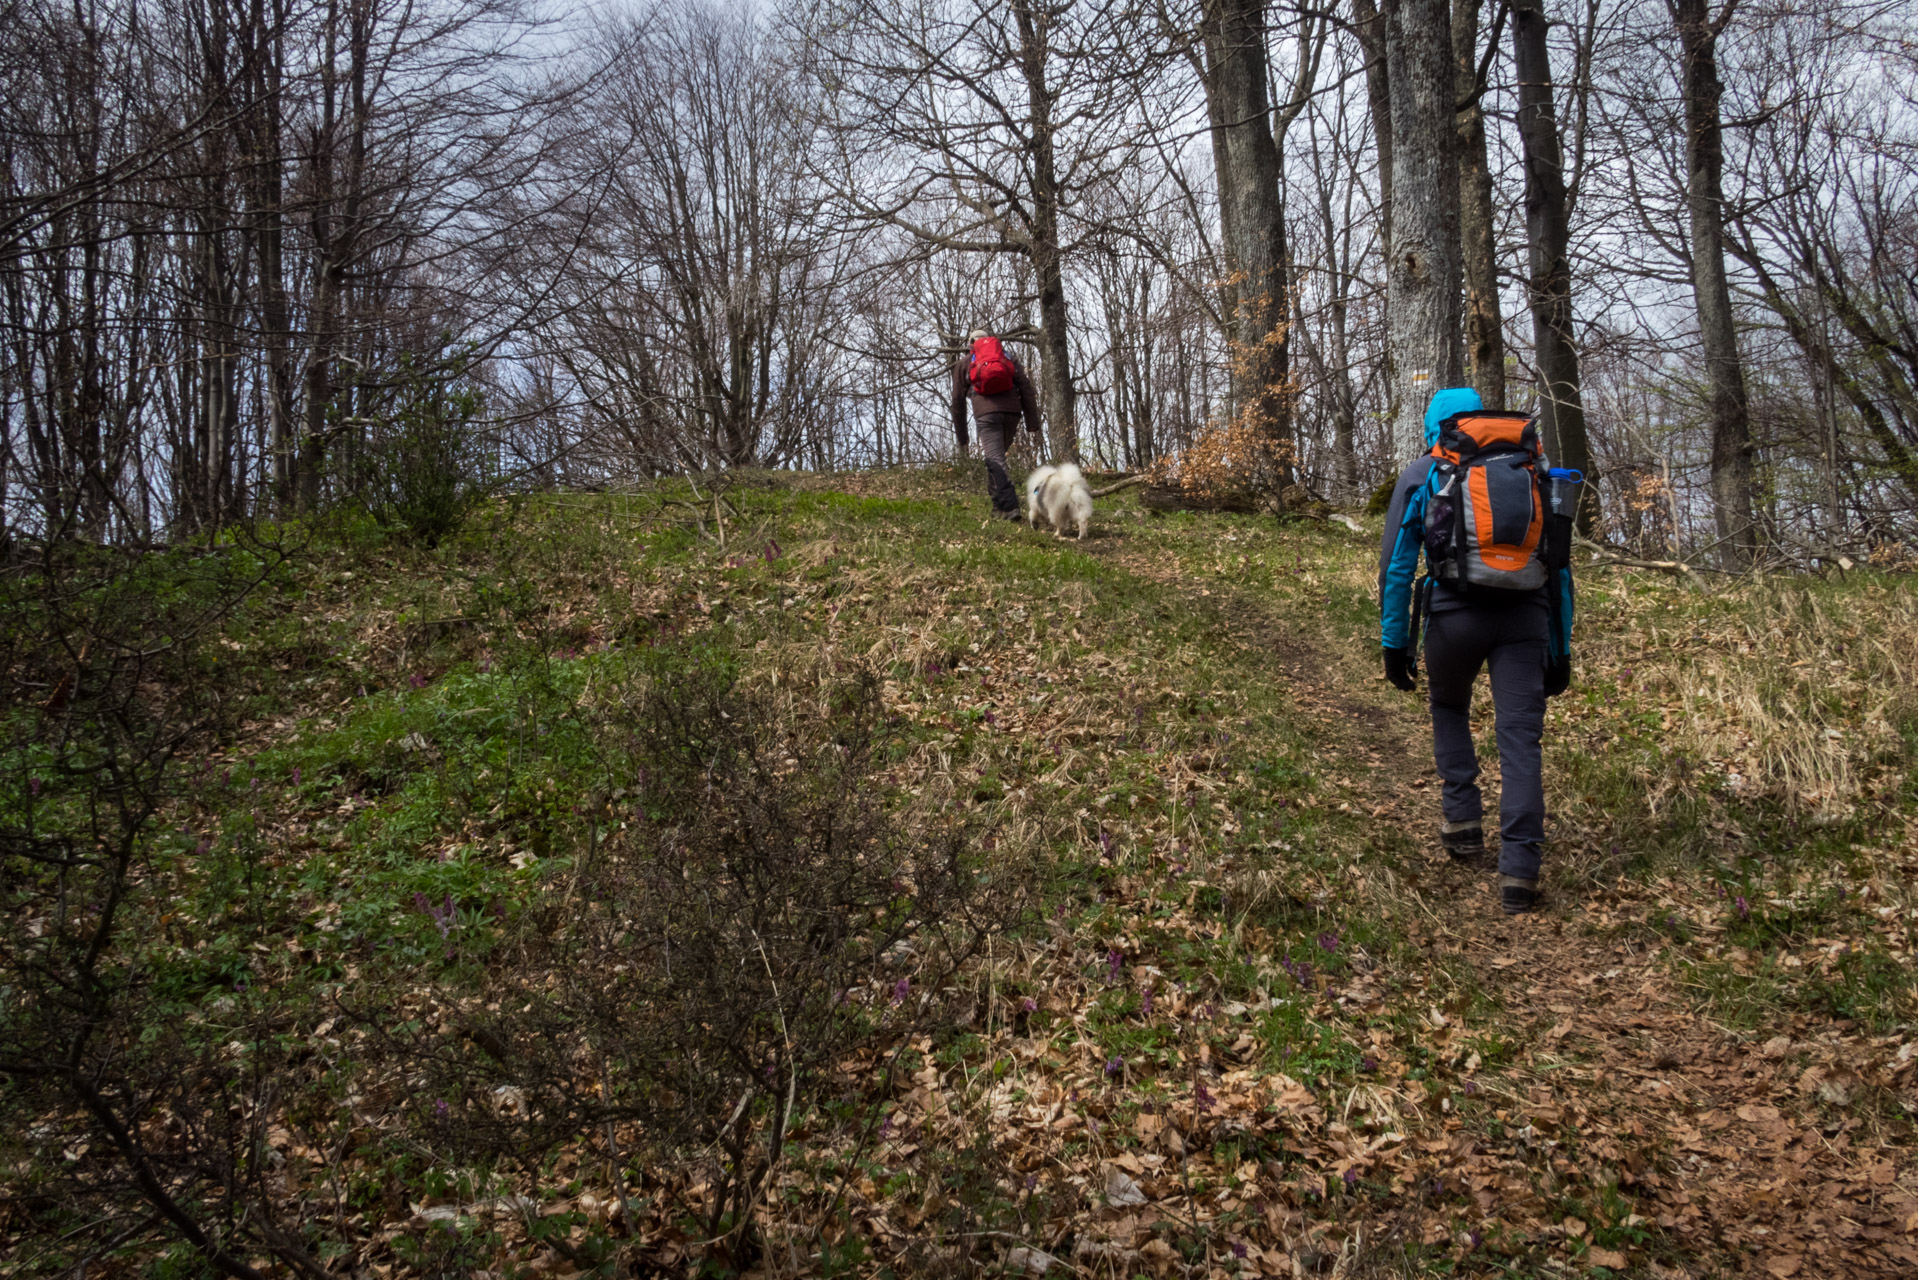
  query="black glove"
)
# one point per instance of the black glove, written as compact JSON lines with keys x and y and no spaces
{"x":1558,"y":674}
{"x":1399,"y":669}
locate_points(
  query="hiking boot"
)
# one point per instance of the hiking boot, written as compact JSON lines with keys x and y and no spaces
{"x":1010,"y":517}
{"x":1463,"y":841}
{"x":1518,"y":897}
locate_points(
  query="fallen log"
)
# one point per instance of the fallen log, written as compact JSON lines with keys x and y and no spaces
{"x":1158,"y":497}
{"x":1110,"y":489}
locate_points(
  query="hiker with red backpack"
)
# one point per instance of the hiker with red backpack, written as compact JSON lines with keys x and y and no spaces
{"x":991,"y":381}
{"x":1494,"y":524}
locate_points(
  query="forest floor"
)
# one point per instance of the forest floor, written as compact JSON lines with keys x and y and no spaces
{"x":1256,"y":1022}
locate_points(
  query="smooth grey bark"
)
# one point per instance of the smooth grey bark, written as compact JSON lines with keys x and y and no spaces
{"x":1252,"y":215}
{"x":1484,"y":327}
{"x":1055,"y":336}
{"x":1549,"y":282}
{"x":1733,"y":465}
{"x":1422,"y":279}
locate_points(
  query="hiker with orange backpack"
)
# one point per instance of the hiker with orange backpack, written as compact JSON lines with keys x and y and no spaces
{"x":1494,"y":524}
{"x":989,"y":380}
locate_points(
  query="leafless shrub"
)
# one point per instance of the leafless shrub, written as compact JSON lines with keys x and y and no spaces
{"x":756,"y":911}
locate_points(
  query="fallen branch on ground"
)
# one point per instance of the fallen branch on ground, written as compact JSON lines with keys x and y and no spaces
{"x":1126,"y":483}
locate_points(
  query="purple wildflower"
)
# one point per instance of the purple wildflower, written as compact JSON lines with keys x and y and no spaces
{"x":1105,"y":842}
{"x":1329,"y":941}
{"x":772,"y":551}
{"x":1477,"y":1239}
{"x":1351,"y":1177}
{"x":885,"y":1129}
{"x":1202,"y":1098}
{"x":1114,"y":960}
{"x":899,"y":990}
{"x":1029,"y":1005}
{"x":33,"y":787}
{"x":1114,"y":1065}
{"x":1032,"y":1180}
{"x":1471,"y":1086}
{"x":1366,"y":1064}
{"x":1744,"y":908}
{"x":1238,"y":1248}
{"x":417,"y":680}
{"x":440,"y":1108}
{"x":296,"y":775}
{"x":1145,"y":1003}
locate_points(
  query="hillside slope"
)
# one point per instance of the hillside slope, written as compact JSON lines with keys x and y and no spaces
{"x":1243,"y":1018}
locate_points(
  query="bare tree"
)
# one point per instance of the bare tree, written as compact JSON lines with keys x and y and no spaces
{"x":1484,"y":327}
{"x":1734,"y":472}
{"x":1549,"y":287}
{"x":1427,"y":334}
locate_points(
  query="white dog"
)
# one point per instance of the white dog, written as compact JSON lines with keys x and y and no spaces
{"x":1058,"y":495}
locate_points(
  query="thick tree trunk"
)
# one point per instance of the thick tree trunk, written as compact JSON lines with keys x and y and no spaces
{"x":1561,"y":408}
{"x":1733,"y":469}
{"x":1055,"y":335}
{"x":1253,"y":215}
{"x":1427,"y":351}
{"x":1484,"y":329}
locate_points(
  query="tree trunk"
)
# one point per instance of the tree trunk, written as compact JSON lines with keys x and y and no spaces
{"x":1561,"y":408}
{"x":1733,"y":470}
{"x":1055,"y":335}
{"x":1423,"y":284}
{"x":1369,"y":25}
{"x":1484,"y":330}
{"x":1253,"y":215}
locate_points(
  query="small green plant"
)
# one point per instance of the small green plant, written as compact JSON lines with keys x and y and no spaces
{"x":431,"y":466}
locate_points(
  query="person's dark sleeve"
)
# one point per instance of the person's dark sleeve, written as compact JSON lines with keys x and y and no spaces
{"x":1028,"y":400}
{"x":1399,"y":554}
{"x":959,"y":397}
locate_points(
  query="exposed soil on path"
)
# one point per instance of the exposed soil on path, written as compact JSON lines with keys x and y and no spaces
{"x":1717,"y":1141}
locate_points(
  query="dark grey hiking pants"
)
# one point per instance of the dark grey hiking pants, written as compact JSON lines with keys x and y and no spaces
{"x":995,"y":436}
{"x":1511,"y":641}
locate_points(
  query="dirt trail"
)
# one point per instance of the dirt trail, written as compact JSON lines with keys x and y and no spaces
{"x":1715,"y":1139}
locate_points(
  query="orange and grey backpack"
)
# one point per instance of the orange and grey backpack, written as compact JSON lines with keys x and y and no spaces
{"x":1486,"y":520}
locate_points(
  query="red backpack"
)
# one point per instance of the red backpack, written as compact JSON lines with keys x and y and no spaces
{"x":991,"y":372}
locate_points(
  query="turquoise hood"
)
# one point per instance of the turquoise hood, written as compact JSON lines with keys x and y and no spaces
{"x":1446,"y":403}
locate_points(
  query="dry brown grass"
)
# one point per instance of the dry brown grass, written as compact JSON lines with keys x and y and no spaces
{"x":1791,"y":689}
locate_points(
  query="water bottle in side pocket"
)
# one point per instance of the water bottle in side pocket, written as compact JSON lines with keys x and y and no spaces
{"x":1561,"y":505}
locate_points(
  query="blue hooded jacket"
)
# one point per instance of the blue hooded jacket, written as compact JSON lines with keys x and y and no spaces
{"x":1404,"y":539}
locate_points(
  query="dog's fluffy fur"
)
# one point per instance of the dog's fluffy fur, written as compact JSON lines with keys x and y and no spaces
{"x":1057,"y":496}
